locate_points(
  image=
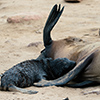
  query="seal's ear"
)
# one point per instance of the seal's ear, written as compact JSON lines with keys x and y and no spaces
{"x":69,"y":76}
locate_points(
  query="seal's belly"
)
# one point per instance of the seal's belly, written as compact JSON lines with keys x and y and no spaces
{"x":92,"y":72}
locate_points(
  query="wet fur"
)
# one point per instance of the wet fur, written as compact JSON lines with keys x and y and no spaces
{"x":26,"y":73}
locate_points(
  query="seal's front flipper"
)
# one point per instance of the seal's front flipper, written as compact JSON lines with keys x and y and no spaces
{"x":70,"y":75}
{"x":25,"y":91}
{"x":17,"y":89}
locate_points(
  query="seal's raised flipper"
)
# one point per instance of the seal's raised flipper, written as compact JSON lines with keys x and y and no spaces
{"x":70,"y":75}
{"x":17,"y":89}
{"x":51,"y":21}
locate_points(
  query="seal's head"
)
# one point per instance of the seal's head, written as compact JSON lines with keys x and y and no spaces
{"x":61,"y":66}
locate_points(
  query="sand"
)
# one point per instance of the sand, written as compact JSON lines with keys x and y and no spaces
{"x":22,"y":41}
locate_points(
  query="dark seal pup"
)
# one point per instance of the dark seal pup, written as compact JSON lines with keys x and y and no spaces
{"x":26,"y":73}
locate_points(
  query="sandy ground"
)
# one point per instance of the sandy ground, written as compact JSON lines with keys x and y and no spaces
{"x":79,"y":19}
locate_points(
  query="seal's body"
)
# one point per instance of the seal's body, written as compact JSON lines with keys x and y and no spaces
{"x":74,"y":49}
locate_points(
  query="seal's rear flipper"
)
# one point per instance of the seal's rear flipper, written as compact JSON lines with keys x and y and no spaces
{"x":70,"y":75}
{"x":51,"y":21}
{"x":17,"y":89}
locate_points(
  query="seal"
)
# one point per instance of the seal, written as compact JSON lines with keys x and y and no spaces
{"x":27,"y":72}
{"x":85,"y":54}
